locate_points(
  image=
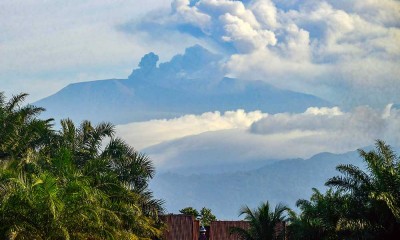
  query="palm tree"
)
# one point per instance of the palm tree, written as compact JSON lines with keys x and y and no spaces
{"x":85,"y":141}
{"x":20,"y":130}
{"x":116,"y":162}
{"x":63,"y":201}
{"x":263,"y":222}
{"x":374,"y":195}
{"x":66,"y":185}
{"x":318,"y":217}
{"x":132,"y":167}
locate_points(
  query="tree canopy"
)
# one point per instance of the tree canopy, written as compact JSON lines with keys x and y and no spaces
{"x":206,"y":216}
{"x":360,"y":204}
{"x":83,"y":182}
{"x":65,"y":184}
{"x":263,"y":222}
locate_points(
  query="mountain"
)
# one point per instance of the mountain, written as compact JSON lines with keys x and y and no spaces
{"x":282,"y":181}
{"x":192,"y":82}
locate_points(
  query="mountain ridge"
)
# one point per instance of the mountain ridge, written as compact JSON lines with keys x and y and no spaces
{"x":171,"y":89}
{"x":281,"y":181}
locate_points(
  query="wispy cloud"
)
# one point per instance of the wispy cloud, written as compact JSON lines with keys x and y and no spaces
{"x":145,"y":134}
{"x":57,"y":42}
{"x":214,"y":138}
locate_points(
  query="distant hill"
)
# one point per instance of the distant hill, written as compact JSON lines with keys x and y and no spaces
{"x":189,"y":83}
{"x":282,"y":181}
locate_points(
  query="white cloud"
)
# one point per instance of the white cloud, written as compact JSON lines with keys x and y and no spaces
{"x":344,"y":51}
{"x":243,"y":35}
{"x":218,"y":8}
{"x":190,"y":15}
{"x":335,"y":111}
{"x":333,"y":129}
{"x":265,"y":12}
{"x":336,"y":49}
{"x":225,"y":20}
{"x":50,"y":35}
{"x":145,"y":134}
{"x":384,"y":12}
{"x":61,"y":41}
{"x":274,"y":136}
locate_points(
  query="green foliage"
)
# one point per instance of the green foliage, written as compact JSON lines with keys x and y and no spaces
{"x":319,"y":216}
{"x":64,"y":185}
{"x":190,"y":211}
{"x":20,"y":130}
{"x":373,"y":196}
{"x":359,"y":205}
{"x":263,"y":222}
{"x":206,"y":216}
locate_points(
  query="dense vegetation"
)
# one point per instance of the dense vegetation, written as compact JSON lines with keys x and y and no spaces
{"x":358,"y":205}
{"x":205,"y":215}
{"x":79,"y":182}
{"x":263,"y":223}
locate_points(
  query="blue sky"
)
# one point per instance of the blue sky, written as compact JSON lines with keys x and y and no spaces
{"x":345,"y":51}
{"x":45,"y":45}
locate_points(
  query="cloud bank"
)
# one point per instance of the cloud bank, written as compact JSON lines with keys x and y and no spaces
{"x":145,"y":134}
{"x":346,"y":51}
{"x":236,"y":137}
